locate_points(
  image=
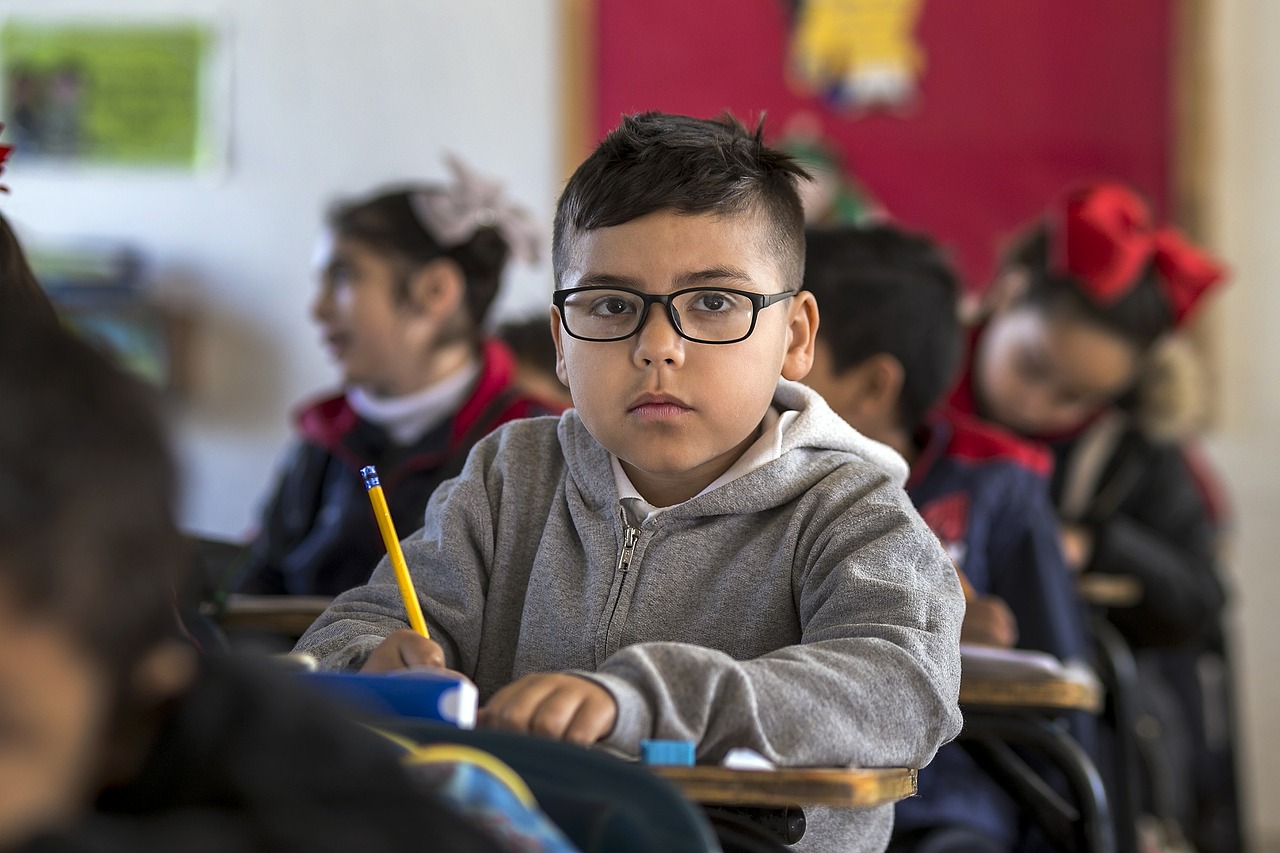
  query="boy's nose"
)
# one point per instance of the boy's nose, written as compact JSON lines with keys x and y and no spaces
{"x":658,"y":340}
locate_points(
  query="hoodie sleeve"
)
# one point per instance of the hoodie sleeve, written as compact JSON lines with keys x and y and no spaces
{"x":449,"y":577}
{"x":873,"y":681}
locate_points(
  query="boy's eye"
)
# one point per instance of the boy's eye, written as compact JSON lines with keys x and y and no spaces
{"x":714,"y":302}
{"x":612,"y":305}
{"x":337,"y":275}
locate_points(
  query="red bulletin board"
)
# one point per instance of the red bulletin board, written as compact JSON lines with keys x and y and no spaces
{"x":1017,"y":100}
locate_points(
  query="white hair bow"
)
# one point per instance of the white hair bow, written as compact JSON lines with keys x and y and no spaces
{"x":453,"y":214}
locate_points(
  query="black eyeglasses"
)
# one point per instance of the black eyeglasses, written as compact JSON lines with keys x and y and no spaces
{"x":704,"y":315}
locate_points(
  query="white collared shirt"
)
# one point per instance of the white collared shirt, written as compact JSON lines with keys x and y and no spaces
{"x":762,"y":451}
{"x":411,"y":416}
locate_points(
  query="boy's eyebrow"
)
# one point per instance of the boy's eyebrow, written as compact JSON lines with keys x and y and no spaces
{"x":696,"y":278}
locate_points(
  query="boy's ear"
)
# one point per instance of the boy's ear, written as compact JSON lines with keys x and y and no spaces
{"x":881,"y":379}
{"x":802,"y":331}
{"x":561,"y":373}
{"x":437,"y":289}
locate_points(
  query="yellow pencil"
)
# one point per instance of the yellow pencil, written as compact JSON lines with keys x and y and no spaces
{"x":383,"y":514}
{"x":967,"y":588}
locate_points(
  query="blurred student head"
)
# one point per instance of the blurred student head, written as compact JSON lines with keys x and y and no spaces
{"x":20,"y":293}
{"x":890,"y":341}
{"x":89,"y":555}
{"x":408,"y":275}
{"x":1081,"y":302}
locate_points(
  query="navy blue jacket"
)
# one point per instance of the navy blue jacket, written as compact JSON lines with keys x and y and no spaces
{"x":985,"y":494}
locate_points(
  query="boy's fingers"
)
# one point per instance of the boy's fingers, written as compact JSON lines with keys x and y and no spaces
{"x":417,"y":650}
{"x":552,"y":716}
{"x":594,"y":719}
{"x":403,"y":649}
{"x":513,"y":706}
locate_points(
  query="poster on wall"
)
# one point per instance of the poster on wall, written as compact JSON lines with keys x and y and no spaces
{"x":962,"y":120}
{"x":113,"y":93}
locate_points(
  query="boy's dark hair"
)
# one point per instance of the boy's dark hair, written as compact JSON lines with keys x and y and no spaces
{"x":87,"y":534}
{"x":531,"y":341}
{"x":20,"y":293}
{"x":1141,"y":316}
{"x":882,"y":290}
{"x":655,"y":161}
{"x":386,"y":222}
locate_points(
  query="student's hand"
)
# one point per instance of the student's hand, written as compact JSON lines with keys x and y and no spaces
{"x":554,"y":704}
{"x":404,"y":649}
{"x":1077,"y":546}
{"x":988,"y":621}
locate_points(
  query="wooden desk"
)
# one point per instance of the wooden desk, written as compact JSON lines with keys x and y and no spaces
{"x":1109,"y":590}
{"x":291,"y":615}
{"x":1036,"y":694}
{"x":854,"y":787}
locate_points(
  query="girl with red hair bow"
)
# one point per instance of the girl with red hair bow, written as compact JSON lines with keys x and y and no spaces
{"x":1075,"y":352}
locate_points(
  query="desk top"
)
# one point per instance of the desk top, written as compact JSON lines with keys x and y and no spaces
{"x":282,"y":614}
{"x":849,"y":787}
{"x":1109,"y":590}
{"x":1018,"y":694}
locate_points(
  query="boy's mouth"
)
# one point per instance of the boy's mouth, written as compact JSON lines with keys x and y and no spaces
{"x":658,"y":406}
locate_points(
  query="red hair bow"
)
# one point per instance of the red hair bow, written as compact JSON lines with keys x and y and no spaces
{"x":1105,"y":238}
{"x":5,"y":151}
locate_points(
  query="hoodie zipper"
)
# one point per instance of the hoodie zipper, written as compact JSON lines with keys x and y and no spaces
{"x":630,"y":536}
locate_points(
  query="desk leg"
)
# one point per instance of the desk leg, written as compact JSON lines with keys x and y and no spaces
{"x":1119,"y":675}
{"x":1083,"y":827}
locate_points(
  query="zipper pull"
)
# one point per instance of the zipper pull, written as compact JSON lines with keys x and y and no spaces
{"x":630,"y":536}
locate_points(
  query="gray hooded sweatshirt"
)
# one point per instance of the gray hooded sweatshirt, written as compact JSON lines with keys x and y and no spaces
{"x":803,"y":610}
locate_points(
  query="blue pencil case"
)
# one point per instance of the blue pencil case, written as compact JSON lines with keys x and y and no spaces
{"x":420,"y":693}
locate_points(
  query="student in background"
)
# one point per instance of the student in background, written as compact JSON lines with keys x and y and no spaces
{"x":407,"y":279}
{"x":888,"y":349}
{"x":1079,"y":315}
{"x":535,"y":352}
{"x":114,"y":736}
{"x":701,"y":549}
{"x":21,"y":296}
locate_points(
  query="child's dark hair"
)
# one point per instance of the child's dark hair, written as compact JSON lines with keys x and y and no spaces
{"x":20,"y":293}
{"x":1141,"y":316}
{"x":531,"y":341}
{"x":87,"y":534}
{"x":882,"y":290}
{"x":387,"y":222}
{"x":655,"y":161}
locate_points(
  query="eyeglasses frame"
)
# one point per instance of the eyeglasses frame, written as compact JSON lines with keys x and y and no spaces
{"x":759,"y":302}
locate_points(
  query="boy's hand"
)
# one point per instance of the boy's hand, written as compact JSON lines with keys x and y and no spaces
{"x":403,"y":650}
{"x":988,"y":621}
{"x":553,"y":704}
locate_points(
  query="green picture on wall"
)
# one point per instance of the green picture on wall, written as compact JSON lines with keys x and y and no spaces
{"x":110,"y":94}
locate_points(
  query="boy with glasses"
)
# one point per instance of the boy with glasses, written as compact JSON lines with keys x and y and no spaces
{"x":701,"y":550}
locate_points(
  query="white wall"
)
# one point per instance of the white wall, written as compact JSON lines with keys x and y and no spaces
{"x":1245,"y":219}
{"x":328,"y":98}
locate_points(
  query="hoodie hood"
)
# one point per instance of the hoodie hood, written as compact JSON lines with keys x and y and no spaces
{"x":816,"y":434}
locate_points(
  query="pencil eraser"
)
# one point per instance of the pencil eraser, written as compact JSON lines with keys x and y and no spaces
{"x":668,"y":752}
{"x":370,"y":476}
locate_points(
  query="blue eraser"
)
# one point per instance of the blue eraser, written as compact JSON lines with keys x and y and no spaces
{"x":669,"y":752}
